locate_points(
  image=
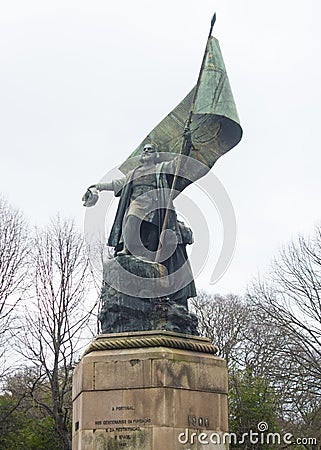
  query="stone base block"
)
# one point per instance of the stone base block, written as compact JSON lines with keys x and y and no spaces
{"x":149,"y":398}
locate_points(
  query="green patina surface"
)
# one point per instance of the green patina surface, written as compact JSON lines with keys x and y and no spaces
{"x":215,"y":126}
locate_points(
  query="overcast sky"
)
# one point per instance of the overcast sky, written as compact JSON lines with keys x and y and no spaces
{"x":83,"y":82}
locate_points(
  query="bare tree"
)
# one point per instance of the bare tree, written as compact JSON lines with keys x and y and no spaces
{"x":56,"y":317}
{"x":223,"y":320}
{"x":245,"y":338}
{"x":291,"y":296}
{"x":14,"y":249}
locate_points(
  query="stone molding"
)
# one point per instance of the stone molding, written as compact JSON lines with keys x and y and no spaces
{"x":157,"y":338}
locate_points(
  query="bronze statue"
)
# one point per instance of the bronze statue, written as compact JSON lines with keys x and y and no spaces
{"x":141,"y":215}
{"x":149,"y":241}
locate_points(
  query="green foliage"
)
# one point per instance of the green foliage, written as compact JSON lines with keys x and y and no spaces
{"x":24,"y":426}
{"x":251,"y":401}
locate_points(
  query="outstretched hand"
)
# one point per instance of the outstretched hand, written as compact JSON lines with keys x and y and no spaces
{"x":90,"y":197}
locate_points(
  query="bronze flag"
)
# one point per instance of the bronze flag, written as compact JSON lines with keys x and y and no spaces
{"x":215,"y":127}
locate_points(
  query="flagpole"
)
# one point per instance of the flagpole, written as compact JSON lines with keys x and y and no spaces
{"x":186,"y":144}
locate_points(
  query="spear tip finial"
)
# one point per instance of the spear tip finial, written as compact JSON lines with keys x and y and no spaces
{"x":212,"y":23}
{"x":213,"y":19}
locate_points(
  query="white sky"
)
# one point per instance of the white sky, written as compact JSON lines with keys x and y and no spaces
{"x":82,"y":83}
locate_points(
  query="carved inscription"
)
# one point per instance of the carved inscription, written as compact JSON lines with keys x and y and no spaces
{"x":198,"y":422}
{"x":121,"y":429}
{"x":123,"y":408}
{"x":135,"y":424}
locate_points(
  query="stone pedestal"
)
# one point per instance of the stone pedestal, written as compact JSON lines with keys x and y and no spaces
{"x":149,"y":391}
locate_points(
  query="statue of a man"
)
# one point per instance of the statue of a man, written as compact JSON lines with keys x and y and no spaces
{"x":146,"y":235}
{"x":145,"y":200}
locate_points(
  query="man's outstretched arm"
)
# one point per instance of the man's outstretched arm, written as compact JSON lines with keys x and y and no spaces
{"x":114,"y":185}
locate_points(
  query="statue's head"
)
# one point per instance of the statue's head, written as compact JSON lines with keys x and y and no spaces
{"x":149,"y":154}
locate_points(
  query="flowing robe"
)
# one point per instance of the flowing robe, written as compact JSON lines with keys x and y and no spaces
{"x":123,"y":188}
